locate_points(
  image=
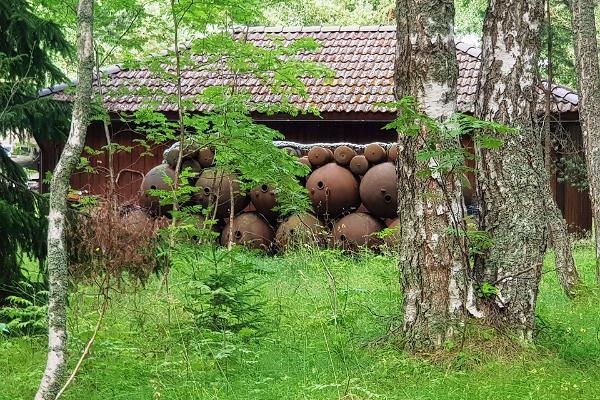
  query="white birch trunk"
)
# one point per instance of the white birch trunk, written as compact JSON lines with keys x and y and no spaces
{"x":57,"y":258}
{"x":588,"y":85}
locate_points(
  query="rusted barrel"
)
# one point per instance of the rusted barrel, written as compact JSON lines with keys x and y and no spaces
{"x":263,"y":198}
{"x":332,"y":190}
{"x":359,"y":165}
{"x":214,"y":190}
{"x":375,"y":153}
{"x":292,"y":151}
{"x":192,"y":164}
{"x":319,"y":156}
{"x":250,"y":230}
{"x":357,"y":230}
{"x":206,"y":157}
{"x":393,"y":152}
{"x":300,"y":229}
{"x":379,"y":190}
{"x":160,"y":177}
{"x":343,"y":155}
{"x":304,"y":160}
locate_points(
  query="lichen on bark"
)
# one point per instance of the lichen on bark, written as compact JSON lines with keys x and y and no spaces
{"x":57,"y":258}
{"x":511,"y":179}
{"x":432,"y":261}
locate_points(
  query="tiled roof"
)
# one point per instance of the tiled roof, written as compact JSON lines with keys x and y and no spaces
{"x":361,"y":56}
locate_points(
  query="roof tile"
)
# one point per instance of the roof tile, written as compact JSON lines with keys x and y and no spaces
{"x":362,"y":57}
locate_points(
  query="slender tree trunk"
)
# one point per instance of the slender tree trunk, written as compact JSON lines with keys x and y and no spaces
{"x":57,"y":258}
{"x":566,"y":270}
{"x":588,"y":85}
{"x":512,"y":178}
{"x":432,"y":262}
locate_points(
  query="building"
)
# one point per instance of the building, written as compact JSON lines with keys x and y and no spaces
{"x":363,"y":58}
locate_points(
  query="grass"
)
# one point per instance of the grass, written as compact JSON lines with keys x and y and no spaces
{"x":319,"y":345}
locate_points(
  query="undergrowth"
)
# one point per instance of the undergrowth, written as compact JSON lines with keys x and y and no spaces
{"x":324,"y":313}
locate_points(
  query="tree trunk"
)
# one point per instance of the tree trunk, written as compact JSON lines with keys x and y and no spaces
{"x":57,"y":258}
{"x":432,"y":261}
{"x":588,"y":85}
{"x":511,"y":179}
{"x":557,"y":226}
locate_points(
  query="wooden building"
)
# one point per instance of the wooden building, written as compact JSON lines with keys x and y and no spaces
{"x":363,"y":61}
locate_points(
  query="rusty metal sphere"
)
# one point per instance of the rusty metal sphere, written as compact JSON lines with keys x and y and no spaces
{"x":319,"y":156}
{"x":192,"y":164}
{"x":263,"y":198}
{"x":215,"y":191}
{"x":359,"y":165}
{"x":393,"y":238}
{"x":206,"y":157}
{"x":343,"y":155}
{"x":375,"y":153}
{"x":292,"y":151}
{"x":304,"y":160}
{"x":160,"y":177}
{"x":332,"y":190}
{"x":300,"y":229}
{"x":393,"y":152}
{"x":379,"y":190}
{"x":249,"y":229}
{"x":357,"y":230}
{"x":171,"y":156}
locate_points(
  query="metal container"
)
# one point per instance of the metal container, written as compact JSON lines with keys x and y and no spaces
{"x":250,"y":230}
{"x":300,"y":229}
{"x":206,"y":157}
{"x":319,"y":156}
{"x":375,"y":153}
{"x":160,"y":177}
{"x":343,"y":155}
{"x":359,"y":165}
{"x":191,"y":163}
{"x":357,"y":230}
{"x":379,"y":190}
{"x":292,"y":151}
{"x":304,"y":160}
{"x":263,"y":198}
{"x":393,"y":152}
{"x":214,"y":190}
{"x":332,"y":190}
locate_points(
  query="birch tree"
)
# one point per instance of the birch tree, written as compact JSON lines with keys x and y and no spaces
{"x":432,"y":264}
{"x":588,"y":85}
{"x":57,"y":258}
{"x":512,"y":178}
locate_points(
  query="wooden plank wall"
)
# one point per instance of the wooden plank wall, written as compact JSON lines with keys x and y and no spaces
{"x":130,"y":167}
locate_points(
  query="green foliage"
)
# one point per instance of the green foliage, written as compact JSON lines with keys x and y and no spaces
{"x":571,"y":169}
{"x":25,"y":314}
{"x":241,"y":145}
{"x":487,"y":290}
{"x":221,"y":291}
{"x":442,"y":153}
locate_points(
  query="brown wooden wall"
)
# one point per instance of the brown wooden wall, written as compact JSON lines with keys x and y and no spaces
{"x":130,"y":167}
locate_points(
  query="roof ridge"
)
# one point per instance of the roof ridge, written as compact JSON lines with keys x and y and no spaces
{"x":315,"y":28}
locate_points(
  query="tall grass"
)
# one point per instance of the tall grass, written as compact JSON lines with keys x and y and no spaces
{"x":325,"y":312}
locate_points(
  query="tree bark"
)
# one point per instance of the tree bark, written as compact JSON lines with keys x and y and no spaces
{"x":566,"y":270}
{"x":588,"y":85}
{"x":57,"y":258}
{"x":511,"y":179}
{"x":432,"y":262}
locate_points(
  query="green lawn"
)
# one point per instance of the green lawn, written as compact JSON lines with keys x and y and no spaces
{"x":318,"y":345}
